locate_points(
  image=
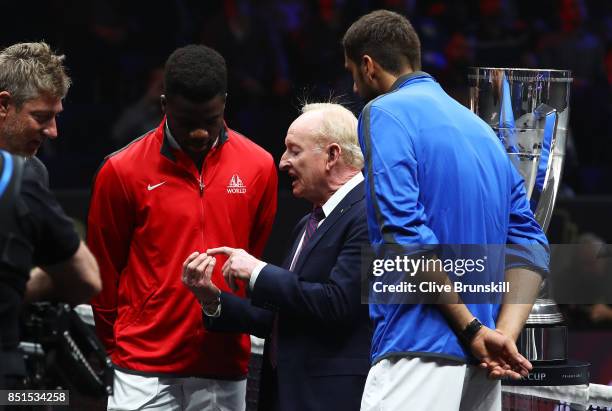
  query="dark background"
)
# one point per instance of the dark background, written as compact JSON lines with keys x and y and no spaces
{"x":281,"y":53}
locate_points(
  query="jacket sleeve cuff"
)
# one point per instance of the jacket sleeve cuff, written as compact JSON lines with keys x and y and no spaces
{"x":255,"y":274}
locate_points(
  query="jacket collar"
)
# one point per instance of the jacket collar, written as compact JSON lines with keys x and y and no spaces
{"x":167,"y":149}
{"x":401,"y":80}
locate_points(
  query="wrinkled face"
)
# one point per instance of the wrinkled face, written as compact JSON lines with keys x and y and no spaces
{"x":24,"y":129}
{"x":304,"y":160}
{"x":195,"y":126}
{"x":361,"y":85}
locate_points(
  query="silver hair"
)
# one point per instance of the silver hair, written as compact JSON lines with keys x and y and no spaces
{"x":28,"y":70}
{"x":338,"y":125}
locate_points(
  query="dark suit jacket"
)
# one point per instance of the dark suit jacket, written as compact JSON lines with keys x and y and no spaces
{"x":323,"y":329}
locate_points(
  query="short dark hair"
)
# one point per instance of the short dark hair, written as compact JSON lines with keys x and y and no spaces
{"x":195,"y":72}
{"x":387,"y":37}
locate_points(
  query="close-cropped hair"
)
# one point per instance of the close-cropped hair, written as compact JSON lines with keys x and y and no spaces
{"x":338,"y":125}
{"x":195,"y":72}
{"x":385,"y":36}
{"x":29,"y":70}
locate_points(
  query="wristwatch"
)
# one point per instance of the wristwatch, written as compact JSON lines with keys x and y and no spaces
{"x":215,"y":304}
{"x":470,"y":330}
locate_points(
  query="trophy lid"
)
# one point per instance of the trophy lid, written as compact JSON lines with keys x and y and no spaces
{"x":522,"y":74}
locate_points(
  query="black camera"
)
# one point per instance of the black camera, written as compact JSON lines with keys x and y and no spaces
{"x":61,"y":351}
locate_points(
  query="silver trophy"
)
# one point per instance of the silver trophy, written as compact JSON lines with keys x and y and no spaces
{"x":529,"y":111}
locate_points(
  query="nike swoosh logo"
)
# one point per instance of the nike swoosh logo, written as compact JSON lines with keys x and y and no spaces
{"x":150,"y":187}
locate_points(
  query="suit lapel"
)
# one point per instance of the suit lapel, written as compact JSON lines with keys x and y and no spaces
{"x":353,"y":196}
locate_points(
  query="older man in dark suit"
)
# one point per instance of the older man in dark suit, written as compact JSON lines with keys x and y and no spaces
{"x":318,"y":332}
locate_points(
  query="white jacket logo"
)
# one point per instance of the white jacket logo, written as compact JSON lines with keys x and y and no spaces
{"x":236,"y":186}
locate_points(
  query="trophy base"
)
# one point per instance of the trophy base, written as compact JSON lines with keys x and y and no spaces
{"x":543,"y":343}
{"x":570,"y":373}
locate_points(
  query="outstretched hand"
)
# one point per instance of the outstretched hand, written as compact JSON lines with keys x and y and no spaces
{"x":498,"y":354}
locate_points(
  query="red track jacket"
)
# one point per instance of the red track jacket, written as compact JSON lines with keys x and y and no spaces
{"x":149,"y":210}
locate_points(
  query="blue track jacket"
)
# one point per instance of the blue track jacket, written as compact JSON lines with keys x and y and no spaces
{"x":435,"y":173}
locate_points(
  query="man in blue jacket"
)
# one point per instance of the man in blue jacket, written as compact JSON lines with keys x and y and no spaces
{"x":436,"y":175}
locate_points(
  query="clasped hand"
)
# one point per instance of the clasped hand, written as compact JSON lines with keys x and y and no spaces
{"x":498,"y":355}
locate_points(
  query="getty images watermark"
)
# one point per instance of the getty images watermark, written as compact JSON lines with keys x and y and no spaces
{"x":410,"y":266}
{"x":470,"y":273}
{"x":579,"y":273}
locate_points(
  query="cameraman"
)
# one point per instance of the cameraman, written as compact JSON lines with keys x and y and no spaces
{"x":34,"y":231}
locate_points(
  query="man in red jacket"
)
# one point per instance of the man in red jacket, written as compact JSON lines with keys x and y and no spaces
{"x":190,"y":184}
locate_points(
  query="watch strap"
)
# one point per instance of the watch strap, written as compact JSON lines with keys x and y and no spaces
{"x":470,"y":330}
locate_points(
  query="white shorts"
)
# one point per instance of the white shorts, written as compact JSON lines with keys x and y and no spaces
{"x":136,"y":392}
{"x":421,"y":383}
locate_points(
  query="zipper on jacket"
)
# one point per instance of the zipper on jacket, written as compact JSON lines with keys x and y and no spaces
{"x":202,"y":220}
{"x":201,"y":184}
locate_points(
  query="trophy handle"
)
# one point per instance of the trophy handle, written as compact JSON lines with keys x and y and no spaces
{"x":506,"y":125}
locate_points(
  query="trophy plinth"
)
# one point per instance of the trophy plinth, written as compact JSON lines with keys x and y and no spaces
{"x":529,"y":111}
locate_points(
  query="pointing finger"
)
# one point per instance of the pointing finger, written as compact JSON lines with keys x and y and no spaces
{"x":220,"y":250}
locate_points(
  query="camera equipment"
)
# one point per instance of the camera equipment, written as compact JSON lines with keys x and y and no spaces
{"x":62,"y":351}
